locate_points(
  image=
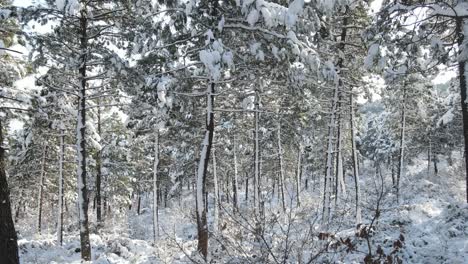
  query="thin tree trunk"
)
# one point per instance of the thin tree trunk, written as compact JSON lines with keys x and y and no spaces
{"x":329,"y":160}
{"x":355,"y":161}
{"x":81,"y":137}
{"x":460,"y":28}
{"x":155,"y":187}
{"x":331,"y":125}
{"x":246,"y":186}
{"x":281,"y":167}
{"x":60,"y":195}
{"x":202,"y":225}
{"x":429,"y":150}
{"x":257,"y":164}
{"x":139,"y":203}
{"x":298,"y":176}
{"x":216,"y":195}
{"x":338,"y":150}
{"x":41,"y":191}
{"x":8,"y":239}
{"x":235,"y":185}
{"x":98,"y":169}
{"x":402,"y":144}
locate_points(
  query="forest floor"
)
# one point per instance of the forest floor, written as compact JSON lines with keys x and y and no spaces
{"x":431,"y":222}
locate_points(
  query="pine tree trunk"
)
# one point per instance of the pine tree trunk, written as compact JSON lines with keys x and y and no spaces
{"x":155,"y":188}
{"x":60,"y":194}
{"x":8,"y":239}
{"x":81,"y":137}
{"x":402,"y":144}
{"x":327,"y":191}
{"x":98,"y":169}
{"x":281,"y":168}
{"x":139,"y":203}
{"x":41,"y":191}
{"x":235,"y":184}
{"x":429,"y":154}
{"x":216,"y":195}
{"x":338,"y":149}
{"x":246,"y":186}
{"x":298,"y":176}
{"x":331,"y":125}
{"x":256,"y":156}
{"x":355,"y":161}
{"x":202,"y":225}
{"x":460,"y":28}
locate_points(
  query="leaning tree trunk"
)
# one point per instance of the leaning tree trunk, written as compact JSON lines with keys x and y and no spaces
{"x":8,"y":239}
{"x":81,"y":137}
{"x":155,"y":187}
{"x":41,"y":191}
{"x":202,"y":225}
{"x":355,"y":160}
{"x":463,"y":93}
{"x":402,"y":144}
{"x":60,"y":194}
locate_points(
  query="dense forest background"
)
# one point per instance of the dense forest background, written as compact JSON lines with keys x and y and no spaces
{"x":233,"y":131}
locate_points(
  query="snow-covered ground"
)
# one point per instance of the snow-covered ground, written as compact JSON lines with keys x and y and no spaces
{"x":429,"y":225}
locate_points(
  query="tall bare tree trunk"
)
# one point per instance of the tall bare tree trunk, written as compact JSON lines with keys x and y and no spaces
{"x":332,"y":123}
{"x":281,"y":167}
{"x":8,"y":239}
{"x":216,"y":195}
{"x":98,"y":169}
{"x":41,"y":191}
{"x":429,"y":153}
{"x":327,"y":191}
{"x":256,"y":154}
{"x":460,"y":28}
{"x":355,"y":160}
{"x":402,"y":144}
{"x":202,"y":225}
{"x":298,"y":176}
{"x":60,"y":194}
{"x":81,"y":136}
{"x":235,"y":185}
{"x":155,"y":188}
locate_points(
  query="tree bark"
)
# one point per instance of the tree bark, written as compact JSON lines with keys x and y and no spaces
{"x":281,"y":168}
{"x":8,"y":239}
{"x":81,"y":137}
{"x":41,"y":191}
{"x":256,"y":156}
{"x":216,"y":195}
{"x":235,"y":184}
{"x":60,"y":195}
{"x":202,"y":225}
{"x":402,"y":144}
{"x":98,"y":169}
{"x":298,"y":176}
{"x":329,"y":160}
{"x":460,"y":26}
{"x":355,"y":161}
{"x":155,"y":187}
